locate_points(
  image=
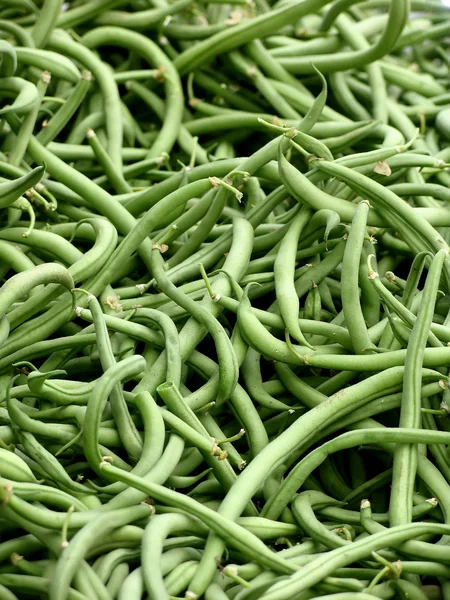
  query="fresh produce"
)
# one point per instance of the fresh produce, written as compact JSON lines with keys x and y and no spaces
{"x":224,"y":300}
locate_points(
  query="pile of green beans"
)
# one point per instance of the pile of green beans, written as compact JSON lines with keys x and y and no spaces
{"x":224,"y":299}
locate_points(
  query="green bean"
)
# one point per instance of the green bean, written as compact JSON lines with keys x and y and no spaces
{"x":46,"y":20}
{"x":404,"y":459}
{"x":213,"y":520}
{"x":351,"y":306}
{"x":398,"y":14}
{"x":241,"y":34}
{"x":44,"y":517}
{"x":185,"y":139}
{"x":396,"y":210}
{"x":302,"y":508}
{"x":335,"y":9}
{"x":215,"y":431}
{"x":47,"y":495}
{"x":284,"y":267}
{"x":13,"y":467}
{"x":213,"y":213}
{"x":174,"y":95}
{"x":49,"y":463}
{"x":10,"y":191}
{"x":274,"y":453}
{"x":132,"y":586}
{"x":209,"y":447}
{"x":159,"y":474}
{"x":264,"y":342}
{"x":127,"y":431}
{"x":227,"y":360}
{"x":412,"y":546}
{"x":153,"y":439}
{"x":253,"y":380}
{"x":63,"y":250}
{"x":9,"y":59}
{"x":263,"y":85}
{"x":7,"y":594}
{"x":54,"y":126}
{"x":253,"y":291}
{"x":126,"y":369}
{"x":116,"y":180}
{"x":58,"y":65}
{"x":156,"y":531}
{"x":418,"y":83}
{"x":24,"y":282}
{"x":66,"y":45}
{"x":181,"y":481}
{"x":64,"y":434}
{"x":178,"y":580}
{"x":321,"y":566}
{"x":26,"y":95}
{"x":30,"y":583}
{"x":205,"y":445}
{"x":75,"y":551}
{"x":407,"y":589}
{"x":142,"y":19}
{"x":118,"y":576}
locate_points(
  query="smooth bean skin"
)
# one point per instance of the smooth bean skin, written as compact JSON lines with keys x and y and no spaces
{"x":174,"y":93}
{"x":316,"y":569}
{"x":126,"y":369}
{"x":284,"y":268}
{"x":274,"y":454}
{"x":75,"y":551}
{"x":210,"y":517}
{"x":224,"y":299}
{"x":405,"y":459}
{"x":226,"y":40}
{"x":351,"y":305}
